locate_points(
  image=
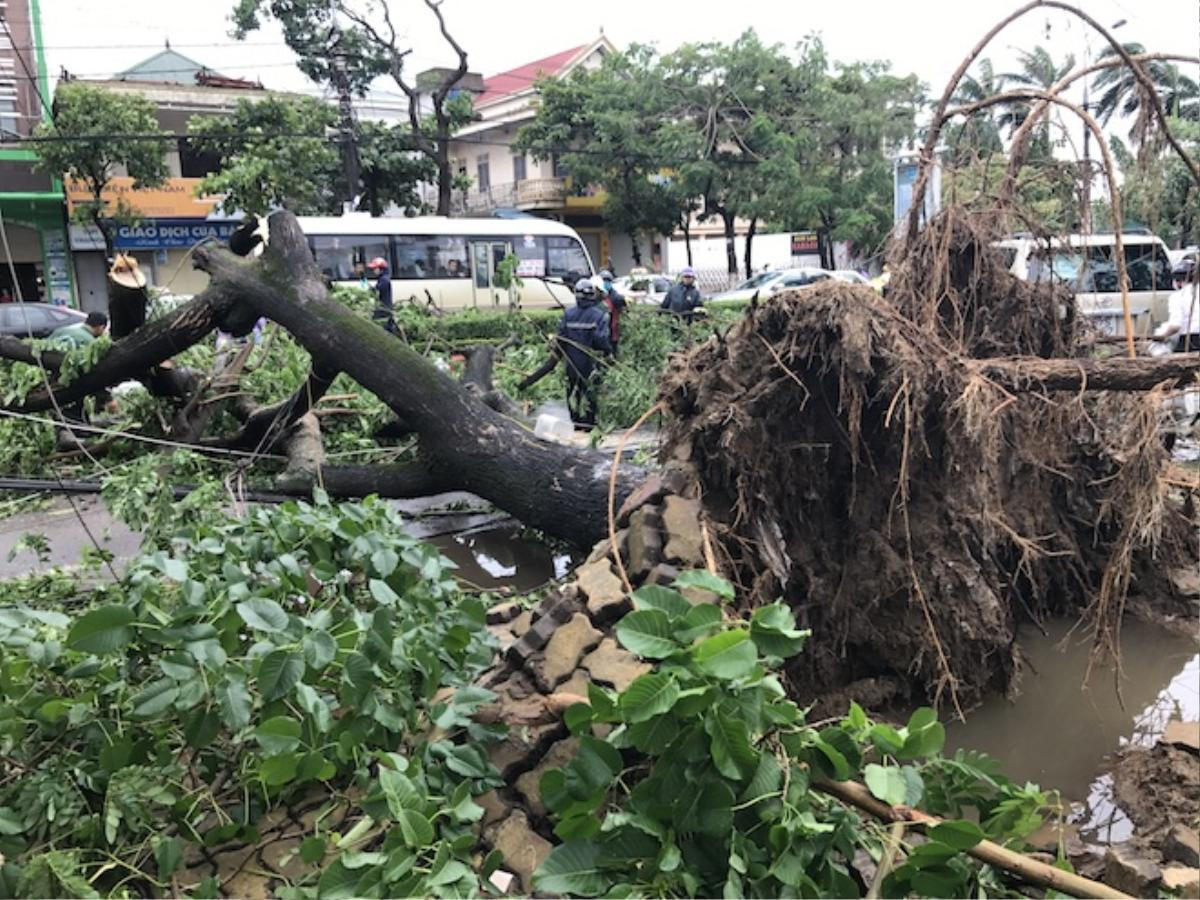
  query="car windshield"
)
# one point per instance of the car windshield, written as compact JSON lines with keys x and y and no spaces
{"x":757,"y":280}
{"x":1147,"y":265}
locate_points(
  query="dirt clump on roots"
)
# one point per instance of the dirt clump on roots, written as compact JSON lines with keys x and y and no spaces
{"x":1158,"y":788}
{"x":912,"y":512}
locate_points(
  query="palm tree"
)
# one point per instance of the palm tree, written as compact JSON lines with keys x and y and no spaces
{"x":980,"y":134}
{"x":1121,"y":93}
{"x":1039,"y":71}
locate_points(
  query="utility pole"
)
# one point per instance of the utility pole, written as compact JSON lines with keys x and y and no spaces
{"x":346,"y":129}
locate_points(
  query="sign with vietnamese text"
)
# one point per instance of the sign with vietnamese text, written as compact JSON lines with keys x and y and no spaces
{"x":174,"y":198}
{"x":804,"y":243}
{"x":167,"y":234}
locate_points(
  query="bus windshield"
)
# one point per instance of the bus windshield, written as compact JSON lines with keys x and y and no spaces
{"x":1096,"y":272}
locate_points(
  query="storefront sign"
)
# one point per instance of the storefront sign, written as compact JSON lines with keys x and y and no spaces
{"x":804,"y":243}
{"x":174,"y":198}
{"x":165,"y":234}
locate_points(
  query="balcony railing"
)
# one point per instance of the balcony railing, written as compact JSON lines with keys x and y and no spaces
{"x":533,"y":193}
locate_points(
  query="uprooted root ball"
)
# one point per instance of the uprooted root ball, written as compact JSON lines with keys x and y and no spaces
{"x":911,"y":511}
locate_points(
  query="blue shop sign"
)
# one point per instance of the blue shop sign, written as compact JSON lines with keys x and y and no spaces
{"x":169,"y":234}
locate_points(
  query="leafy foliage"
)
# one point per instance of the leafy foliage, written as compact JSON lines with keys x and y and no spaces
{"x":95,"y":132}
{"x":707,"y":781}
{"x":302,"y":646}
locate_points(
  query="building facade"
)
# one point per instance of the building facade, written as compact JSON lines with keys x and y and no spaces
{"x":34,"y":259}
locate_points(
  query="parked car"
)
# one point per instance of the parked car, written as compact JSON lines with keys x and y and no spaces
{"x":765,"y":284}
{"x":1087,"y":265}
{"x":36,"y":319}
{"x":850,"y":276}
{"x":643,"y":287}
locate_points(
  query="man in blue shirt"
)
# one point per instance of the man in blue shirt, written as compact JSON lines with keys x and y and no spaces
{"x":583,"y":340}
{"x":684,"y":297}
{"x":384,"y":311}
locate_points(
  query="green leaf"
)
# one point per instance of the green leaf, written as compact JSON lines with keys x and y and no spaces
{"x":399,"y":790}
{"x":706,"y":581}
{"x":175,"y":569}
{"x":415,"y":828}
{"x":925,"y":742}
{"x":310,"y":701}
{"x":280,"y":734}
{"x":10,"y":822}
{"x":277,"y":770}
{"x":655,"y":735}
{"x":940,"y":882}
{"x":957,"y":833}
{"x":887,"y":783}
{"x":887,"y":740}
{"x":571,"y":868}
{"x":384,"y":561}
{"x":647,"y":632}
{"x":202,"y":728}
{"x":312,"y":850}
{"x":655,"y":596}
{"x":648,"y":696}
{"x":278,"y":673}
{"x":701,"y":620}
{"x":235,"y":703}
{"x":728,"y":655}
{"x":103,"y":630}
{"x":168,"y":854}
{"x":155,"y":698}
{"x":337,"y":882}
{"x":319,"y":649}
{"x":773,"y":630}
{"x":578,"y":718}
{"x":383,"y":593}
{"x":263,"y":614}
{"x":732,"y":753}
{"x":451,"y":872}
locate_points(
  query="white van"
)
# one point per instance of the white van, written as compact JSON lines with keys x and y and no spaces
{"x":1086,"y":264}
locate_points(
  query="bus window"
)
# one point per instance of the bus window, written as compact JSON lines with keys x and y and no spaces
{"x":565,"y":257}
{"x":344,"y":258}
{"x":531,"y":253}
{"x":1148,"y":267}
{"x":432,"y":256}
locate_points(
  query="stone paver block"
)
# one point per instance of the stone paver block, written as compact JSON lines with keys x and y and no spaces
{"x":606,"y":598}
{"x":681,"y":521}
{"x":284,"y":857}
{"x":565,"y":650}
{"x":663,"y":574}
{"x":649,"y":491}
{"x":522,"y":746}
{"x":645,"y":543}
{"x":577,"y":684}
{"x":494,"y":807}
{"x":503,"y":612}
{"x":1130,"y":873}
{"x":531,"y":643}
{"x":613,"y":665}
{"x":1183,"y":879}
{"x":523,"y":848}
{"x":521,"y":624}
{"x":557,"y":757}
{"x":1182,"y":845}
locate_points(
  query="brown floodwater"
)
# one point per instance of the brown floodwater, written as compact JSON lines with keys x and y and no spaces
{"x":1062,"y":731}
{"x":503,"y":557}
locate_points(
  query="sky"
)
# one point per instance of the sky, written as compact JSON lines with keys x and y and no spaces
{"x":926,"y":37}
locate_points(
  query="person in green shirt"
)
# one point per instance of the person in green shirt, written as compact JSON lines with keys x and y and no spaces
{"x":81,"y":333}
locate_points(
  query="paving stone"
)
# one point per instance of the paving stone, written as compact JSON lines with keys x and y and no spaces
{"x":606,"y":598}
{"x":649,"y":491}
{"x":504,"y":612}
{"x":284,"y":857}
{"x":559,"y":606}
{"x":645,"y":543}
{"x":494,"y":807}
{"x":1183,"y":879}
{"x":663,"y":574}
{"x":679,"y":478}
{"x":521,"y":654}
{"x":1182,"y":845}
{"x":613,"y":665}
{"x":521,"y":747}
{"x":523,"y":848}
{"x":556,"y":758}
{"x":577,"y":684}
{"x":564,"y":651}
{"x":518,"y":686}
{"x":504,"y":637}
{"x":1130,"y":873}
{"x":521,"y":623}
{"x":681,"y":522}
{"x":1185,"y":735}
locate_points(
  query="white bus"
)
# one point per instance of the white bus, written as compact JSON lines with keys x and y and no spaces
{"x":1087,"y":265}
{"x":452,"y":262}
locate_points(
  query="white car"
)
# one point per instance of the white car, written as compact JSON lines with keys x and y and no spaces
{"x":643,"y":287}
{"x":850,"y":276}
{"x":765,"y":284}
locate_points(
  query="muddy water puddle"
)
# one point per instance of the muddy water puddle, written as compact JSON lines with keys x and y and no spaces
{"x":1061,"y":733}
{"x":503,"y":557}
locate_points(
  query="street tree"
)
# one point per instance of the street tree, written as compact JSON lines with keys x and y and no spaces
{"x":1158,"y":190}
{"x":978,"y":134}
{"x":1123,"y":95}
{"x":608,"y":127}
{"x":390,"y":170}
{"x":1037,"y":70}
{"x":94,"y":133}
{"x":273,"y":153}
{"x":349,"y":44}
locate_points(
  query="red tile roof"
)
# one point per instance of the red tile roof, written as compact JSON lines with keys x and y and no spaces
{"x":523,"y":77}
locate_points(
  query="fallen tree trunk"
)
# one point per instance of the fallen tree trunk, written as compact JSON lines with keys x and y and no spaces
{"x":463,"y":443}
{"x":266,"y":426}
{"x":1113,"y":374}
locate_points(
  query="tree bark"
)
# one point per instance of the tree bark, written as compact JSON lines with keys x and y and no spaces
{"x":445,"y":175}
{"x":266,"y":426}
{"x":462,"y":442}
{"x":1113,"y":374}
{"x":749,"y":241}
{"x":731,"y":264}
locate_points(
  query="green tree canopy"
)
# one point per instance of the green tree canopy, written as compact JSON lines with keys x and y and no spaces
{"x":94,"y":133}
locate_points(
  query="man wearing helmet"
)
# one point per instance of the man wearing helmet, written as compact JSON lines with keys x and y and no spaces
{"x":384,"y":311}
{"x":583,"y":339}
{"x":683,"y":297}
{"x":614,"y":303}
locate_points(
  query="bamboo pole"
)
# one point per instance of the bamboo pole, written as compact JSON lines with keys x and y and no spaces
{"x":1029,"y":870}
